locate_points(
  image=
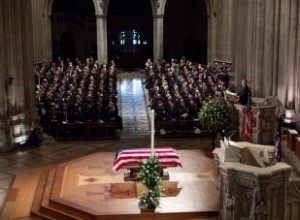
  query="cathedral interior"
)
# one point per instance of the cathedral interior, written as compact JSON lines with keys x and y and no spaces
{"x":255,"y":40}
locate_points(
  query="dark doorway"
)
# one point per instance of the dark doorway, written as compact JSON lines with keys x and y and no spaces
{"x":129,"y":32}
{"x":67,"y":45}
{"x":74,"y":29}
{"x":185,"y":30}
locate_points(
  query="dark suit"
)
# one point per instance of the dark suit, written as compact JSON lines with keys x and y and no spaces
{"x":245,"y":95}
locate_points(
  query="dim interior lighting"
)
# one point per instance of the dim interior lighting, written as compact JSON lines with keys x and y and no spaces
{"x":21,"y":116}
{"x":197,"y":131}
{"x":17,"y":129}
{"x":14,"y":118}
{"x":162,"y":131}
{"x":289,"y":115}
{"x":20,"y":140}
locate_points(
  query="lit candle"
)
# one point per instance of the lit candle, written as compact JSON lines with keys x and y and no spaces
{"x":152,"y":133}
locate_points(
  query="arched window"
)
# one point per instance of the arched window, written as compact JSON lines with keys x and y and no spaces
{"x":130,"y":41}
{"x":122,"y":38}
{"x":136,"y":38}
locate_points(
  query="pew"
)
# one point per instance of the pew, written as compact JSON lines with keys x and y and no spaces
{"x":85,"y":131}
{"x":180,"y":128}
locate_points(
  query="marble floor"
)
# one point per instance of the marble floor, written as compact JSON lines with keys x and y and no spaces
{"x":132,"y":102}
{"x":136,"y":133}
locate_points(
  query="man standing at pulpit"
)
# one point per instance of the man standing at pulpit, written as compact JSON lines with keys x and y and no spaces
{"x":245,"y":94}
{"x":245,"y":99}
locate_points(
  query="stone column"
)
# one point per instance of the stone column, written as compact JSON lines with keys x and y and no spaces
{"x":297,"y":69}
{"x":101,"y":21}
{"x":158,"y":37}
{"x":220,"y":29}
{"x":48,"y":35}
{"x":240,"y":39}
{"x":291,"y":60}
{"x":17,"y":78}
{"x":41,"y":19}
{"x":3,"y":71}
{"x":211,"y":38}
{"x":226,"y":35}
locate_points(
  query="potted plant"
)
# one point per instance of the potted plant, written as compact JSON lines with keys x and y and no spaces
{"x":214,"y":116}
{"x":149,"y":175}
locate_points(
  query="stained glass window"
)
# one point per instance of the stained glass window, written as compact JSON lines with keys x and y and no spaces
{"x":130,"y":40}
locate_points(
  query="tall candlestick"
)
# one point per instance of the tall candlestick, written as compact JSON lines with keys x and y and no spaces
{"x":152,"y":133}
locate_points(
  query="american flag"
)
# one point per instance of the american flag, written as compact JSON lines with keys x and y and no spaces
{"x":247,"y":125}
{"x":129,"y":158}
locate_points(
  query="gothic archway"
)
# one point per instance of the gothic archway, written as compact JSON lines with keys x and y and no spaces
{"x":186,"y":30}
{"x":127,"y":20}
{"x":77,"y":18}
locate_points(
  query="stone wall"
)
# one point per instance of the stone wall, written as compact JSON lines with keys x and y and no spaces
{"x":42,"y":36}
{"x":266,"y":47}
{"x":16,"y":67}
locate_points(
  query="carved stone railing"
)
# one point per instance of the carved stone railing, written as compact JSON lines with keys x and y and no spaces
{"x":292,"y":205}
{"x":252,"y":186}
{"x":248,"y":192}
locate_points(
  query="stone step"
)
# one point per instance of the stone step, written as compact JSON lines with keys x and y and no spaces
{"x":41,"y":207}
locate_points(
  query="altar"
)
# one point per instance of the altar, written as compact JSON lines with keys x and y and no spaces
{"x":132,"y":159}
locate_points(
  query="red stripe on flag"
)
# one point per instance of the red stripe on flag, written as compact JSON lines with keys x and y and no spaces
{"x":168,"y":157}
{"x":247,"y":126}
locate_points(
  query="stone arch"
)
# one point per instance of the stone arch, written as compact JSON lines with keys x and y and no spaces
{"x":210,"y":4}
{"x":79,"y":18}
{"x":49,"y":4}
{"x":158,"y":6}
{"x":105,"y":5}
{"x":121,"y":22}
{"x":48,"y":7}
{"x":100,"y":6}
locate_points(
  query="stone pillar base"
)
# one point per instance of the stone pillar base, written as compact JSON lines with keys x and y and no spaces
{"x":16,"y":129}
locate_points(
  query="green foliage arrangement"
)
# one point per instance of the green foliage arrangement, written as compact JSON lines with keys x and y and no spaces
{"x":149,"y":175}
{"x":150,"y":200}
{"x":214,"y":115}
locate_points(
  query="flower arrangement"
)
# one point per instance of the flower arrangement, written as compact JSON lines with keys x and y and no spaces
{"x":149,"y":175}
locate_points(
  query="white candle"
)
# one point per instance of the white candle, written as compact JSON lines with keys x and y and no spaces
{"x":152,"y":132}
